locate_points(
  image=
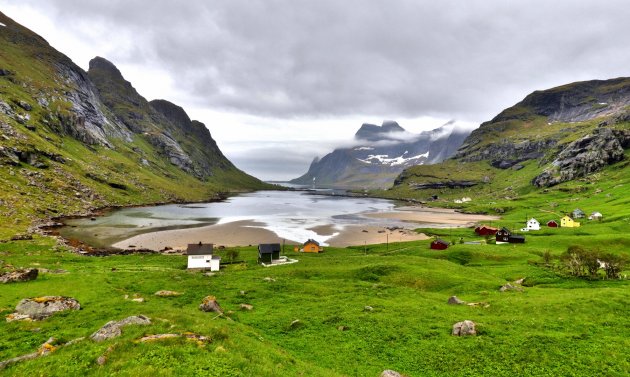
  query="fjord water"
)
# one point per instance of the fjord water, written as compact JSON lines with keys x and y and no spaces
{"x":289,"y":214}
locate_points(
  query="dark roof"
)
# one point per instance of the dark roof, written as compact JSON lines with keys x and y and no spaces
{"x":311,"y":241}
{"x":199,"y":249}
{"x":268,"y":248}
{"x":505,"y":230}
{"x":441,"y":241}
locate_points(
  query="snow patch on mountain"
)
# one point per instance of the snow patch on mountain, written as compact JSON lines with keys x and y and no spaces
{"x":384,"y":159}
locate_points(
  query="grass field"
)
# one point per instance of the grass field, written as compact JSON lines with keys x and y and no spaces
{"x":558,"y":325}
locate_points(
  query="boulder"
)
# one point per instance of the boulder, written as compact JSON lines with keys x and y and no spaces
{"x":167,"y":293}
{"x":113,"y":329}
{"x":210,"y":304}
{"x":22,"y":237}
{"x":43,"y":307}
{"x":19,"y":275}
{"x":246,"y":307}
{"x":464,"y":328}
{"x":453,"y":300}
{"x":390,"y":373}
{"x":510,"y":287}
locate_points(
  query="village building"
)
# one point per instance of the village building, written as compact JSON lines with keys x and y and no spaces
{"x":312,"y":246}
{"x":552,"y":223}
{"x":567,"y":222}
{"x":484,"y":230}
{"x":200,"y":256}
{"x":577,"y":213}
{"x":505,"y":236}
{"x":268,"y":252}
{"x":595,"y":216}
{"x":532,"y":224}
{"x":439,"y":244}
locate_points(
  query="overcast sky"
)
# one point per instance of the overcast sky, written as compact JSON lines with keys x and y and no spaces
{"x":278,"y":82}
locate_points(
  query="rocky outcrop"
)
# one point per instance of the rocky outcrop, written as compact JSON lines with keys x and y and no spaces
{"x":464,"y":328}
{"x":19,"y":275}
{"x":390,"y":373}
{"x":210,"y":304}
{"x":113,"y":329}
{"x":584,"y":156}
{"x":40,"y":308}
{"x":453,"y":300}
{"x":505,"y":154}
{"x":440,"y":185}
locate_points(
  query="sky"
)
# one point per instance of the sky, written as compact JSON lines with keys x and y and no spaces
{"x":279,"y":82}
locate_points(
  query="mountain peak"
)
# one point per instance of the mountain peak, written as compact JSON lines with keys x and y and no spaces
{"x":102,"y":64}
{"x":372,"y":132}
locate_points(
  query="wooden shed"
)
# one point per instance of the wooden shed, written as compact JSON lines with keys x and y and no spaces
{"x":567,"y":222}
{"x":552,"y":223}
{"x":311,"y":246}
{"x":439,"y":244}
{"x":268,"y":252}
{"x":484,"y":230}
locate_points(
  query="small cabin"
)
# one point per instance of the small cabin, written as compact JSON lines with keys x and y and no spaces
{"x":268,"y":252}
{"x":567,"y":222}
{"x":200,"y":256}
{"x":312,"y":246}
{"x":505,"y":236}
{"x":439,"y":244}
{"x":596,"y":216}
{"x":552,"y":223}
{"x":532,"y":224}
{"x":577,"y":213}
{"x":484,"y":230}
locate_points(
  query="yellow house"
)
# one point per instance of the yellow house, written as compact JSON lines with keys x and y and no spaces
{"x":312,"y":246}
{"x":567,"y":222}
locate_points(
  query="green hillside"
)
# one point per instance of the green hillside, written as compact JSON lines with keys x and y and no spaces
{"x":66,"y":147}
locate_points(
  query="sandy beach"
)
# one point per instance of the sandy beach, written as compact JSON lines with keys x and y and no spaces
{"x":244,"y":233}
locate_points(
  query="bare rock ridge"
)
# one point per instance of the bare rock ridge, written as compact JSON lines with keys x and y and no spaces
{"x":380,"y":154}
{"x":571,"y":131}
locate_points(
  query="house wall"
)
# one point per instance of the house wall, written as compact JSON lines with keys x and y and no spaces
{"x":202,"y":261}
{"x":311,"y":248}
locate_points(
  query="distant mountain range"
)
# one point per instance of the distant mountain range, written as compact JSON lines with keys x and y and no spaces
{"x":380,"y":154}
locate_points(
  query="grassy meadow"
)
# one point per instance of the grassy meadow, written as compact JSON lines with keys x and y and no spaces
{"x":558,"y":325}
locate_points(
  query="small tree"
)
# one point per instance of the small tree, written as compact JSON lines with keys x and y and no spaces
{"x":547,"y":257}
{"x":613,"y":264}
{"x":232,"y":254}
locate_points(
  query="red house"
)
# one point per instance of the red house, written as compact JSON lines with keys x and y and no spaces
{"x":484,"y":230}
{"x":439,"y":245}
{"x":552,"y":224}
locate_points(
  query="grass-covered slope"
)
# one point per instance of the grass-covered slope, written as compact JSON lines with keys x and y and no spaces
{"x":557,"y":326}
{"x":64,"y":151}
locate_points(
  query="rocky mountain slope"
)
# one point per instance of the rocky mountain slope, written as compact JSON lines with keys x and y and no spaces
{"x":380,"y":154}
{"x":567,"y":133}
{"x":71,"y":140}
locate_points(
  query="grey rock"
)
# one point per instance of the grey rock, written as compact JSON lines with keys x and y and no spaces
{"x":113,"y":329}
{"x":19,"y":275}
{"x":510,"y":287}
{"x":246,"y":307}
{"x":43,"y":307}
{"x":165,"y":293}
{"x":453,"y":300}
{"x":390,"y":373}
{"x":464,"y":328}
{"x":582,"y":157}
{"x":210,"y":304}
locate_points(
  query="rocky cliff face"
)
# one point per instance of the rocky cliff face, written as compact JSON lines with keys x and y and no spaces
{"x":380,"y":155}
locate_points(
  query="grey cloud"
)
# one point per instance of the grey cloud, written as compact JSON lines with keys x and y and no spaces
{"x":287,"y":58}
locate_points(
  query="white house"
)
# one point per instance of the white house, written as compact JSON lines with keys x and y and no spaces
{"x":595,"y":216}
{"x":532,"y":224}
{"x":200,"y":256}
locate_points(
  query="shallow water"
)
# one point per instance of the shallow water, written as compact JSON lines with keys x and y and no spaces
{"x":290,"y":214}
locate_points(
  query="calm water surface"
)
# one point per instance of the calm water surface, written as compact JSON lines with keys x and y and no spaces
{"x":289,"y":214}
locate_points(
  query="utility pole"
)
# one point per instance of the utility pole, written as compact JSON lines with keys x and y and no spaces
{"x":365,"y":247}
{"x":387,"y":234}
